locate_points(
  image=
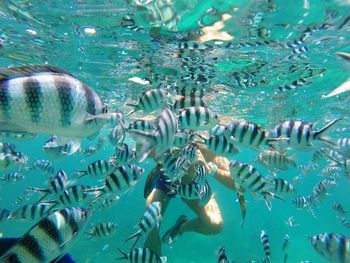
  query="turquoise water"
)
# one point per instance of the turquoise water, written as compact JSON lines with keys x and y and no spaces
{"x":90,"y":40}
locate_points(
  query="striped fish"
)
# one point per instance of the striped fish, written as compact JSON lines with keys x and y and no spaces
{"x":12,"y":177}
{"x":104,"y":202}
{"x":96,"y":168}
{"x":189,"y":101}
{"x":197,"y":118}
{"x":326,"y":154}
{"x":124,"y":154}
{"x":302,"y":201}
{"x":193,"y":191}
{"x":141,"y":125}
{"x":219,"y":145}
{"x":272,"y":159}
{"x":302,"y":134}
{"x":285,"y":242}
{"x":4,"y":214}
{"x":75,"y":195}
{"x":222,"y":258}
{"x":182,"y":138}
{"x":150,"y":219}
{"x":248,"y":134}
{"x":102,"y":230}
{"x":282,"y":186}
{"x":345,"y":222}
{"x":162,"y":139}
{"x":339,"y":208}
{"x":150,"y":100}
{"x":32,"y":212}
{"x":56,"y":151}
{"x":334,"y":247}
{"x":246,"y":177}
{"x":8,"y":161}
{"x":218,"y":129}
{"x":41,"y":99}
{"x":142,"y":255}
{"x":117,"y":134}
{"x":50,"y":238}
{"x":201,"y":174}
{"x":45,"y":166}
{"x":88,"y":150}
{"x":266,"y":244}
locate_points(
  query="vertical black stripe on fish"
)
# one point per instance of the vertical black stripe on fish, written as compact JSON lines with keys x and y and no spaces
{"x":254,"y":134}
{"x":279,"y":131}
{"x":197,"y":113}
{"x":31,"y":245}
{"x":66,"y":99}
{"x":5,"y":99}
{"x":32,"y":211}
{"x":90,"y":100}
{"x":13,"y":258}
{"x":290,"y":129}
{"x":33,"y":99}
{"x":300,"y":132}
{"x":243,"y":132}
{"x":51,"y":231}
{"x":187,"y":116}
{"x":342,"y":249}
{"x":125,"y":176}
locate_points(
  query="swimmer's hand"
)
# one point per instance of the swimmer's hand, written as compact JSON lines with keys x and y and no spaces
{"x":212,"y":169}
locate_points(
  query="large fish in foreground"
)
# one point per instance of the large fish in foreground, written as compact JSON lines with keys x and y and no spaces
{"x":42,"y":99}
{"x":50,"y":238}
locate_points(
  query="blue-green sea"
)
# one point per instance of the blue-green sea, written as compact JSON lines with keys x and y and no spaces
{"x":263,"y":61}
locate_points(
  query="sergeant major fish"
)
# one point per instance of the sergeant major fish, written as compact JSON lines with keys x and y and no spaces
{"x":102,"y":230}
{"x":197,"y":118}
{"x":142,"y":255}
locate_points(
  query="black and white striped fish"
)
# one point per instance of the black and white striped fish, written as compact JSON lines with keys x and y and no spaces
{"x":97,"y":168}
{"x":248,"y":134}
{"x":45,"y":166}
{"x":219,"y":145}
{"x":124,"y":154}
{"x":326,"y":154}
{"x":345,"y":222}
{"x":42,"y":99}
{"x":150,"y":219}
{"x":142,"y":255}
{"x":302,"y":134}
{"x":75,"y":195}
{"x":339,"y":208}
{"x":302,"y":201}
{"x":141,"y":125}
{"x":162,"y":139}
{"x":182,"y":138}
{"x":117,"y":134}
{"x":150,"y":100}
{"x":9,"y":161}
{"x":285,"y":242}
{"x":104,"y":202}
{"x":197,"y":118}
{"x":56,"y":151}
{"x":4,"y":214}
{"x":193,"y":191}
{"x":222,"y":258}
{"x":272,"y":159}
{"x":32,"y":212}
{"x":218,"y":129}
{"x":333,"y":247}
{"x":189,"y":101}
{"x":50,"y":238}
{"x":12,"y":177}
{"x":282,"y":186}
{"x":102,"y":230}
{"x":266,"y":244}
{"x":201,"y":174}
{"x":246,"y":177}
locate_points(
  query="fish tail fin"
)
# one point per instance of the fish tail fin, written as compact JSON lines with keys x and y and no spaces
{"x":135,"y":236}
{"x":88,"y":235}
{"x":319,"y":132}
{"x":125,"y":255}
{"x":148,"y":141}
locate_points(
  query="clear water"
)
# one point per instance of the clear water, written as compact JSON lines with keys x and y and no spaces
{"x":86,"y":38}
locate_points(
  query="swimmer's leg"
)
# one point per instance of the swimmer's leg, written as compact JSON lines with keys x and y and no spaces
{"x":153,"y":240}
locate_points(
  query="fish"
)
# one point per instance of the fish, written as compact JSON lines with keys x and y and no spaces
{"x":302,"y":134}
{"x":302,"y":201}
{"x":182,"y":138}
{"x":117,"y":134}
{"x":142,"y":255}
{"x":326,"y":153}
{"x":102,"y":230}
{"x":50,"y":238}
{"x":282,"y":186}
{"x":8,"y":161}
{"x":264,"y":238}
{"x":58,"y":151}
{"x":201,"y":174}
{"x":285,"y":242}
{"x":141,"y":125}
{"x":222,"y":258}
{"x":123,"y":154}
{"x":248,"y":134}
{"x":219,"y":145}
{"x":197,"y":118}
{"x":339,"y":208}
{"x":45,"y":166}
{"x":331,"y":246}
{"x":12,"y":177}
{"x":189,"y":101}
{"x":32,"y":212}
{"x":345,"y":222}
{"x":272,"y":159}
{"x":4,"y":214}
{"x":150,"y":220}
{"x":291,"y":222}
{"x":74,"y":195}
{"x":218,"y":129}
{"x":161,"y":139}
{"x":43,"y":99}
{"x":104,"y":202}
{"x":246,"y":177}
{"x":96,"y":168}
{"x":149,"y":101}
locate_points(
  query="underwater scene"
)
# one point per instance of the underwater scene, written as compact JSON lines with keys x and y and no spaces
{"x":179,"y":131}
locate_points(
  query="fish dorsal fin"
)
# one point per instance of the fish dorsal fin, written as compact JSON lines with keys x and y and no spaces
{"x":25,"y":71}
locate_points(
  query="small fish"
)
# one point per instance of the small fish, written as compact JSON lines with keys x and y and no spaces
{"x":218,"y":129}
{"x":266,"y":244}
{"x":8,"y":161}
{"x":104,"y":202}
{"x":161,"y":139}
{"x":88,"y":150}
{"x":331,"y":246}
{"x":272,"y":159}
{"x":193,"y":191}
{"x":32,"y":212}
{"x":319,"y":191}
{"x":56,"y":151}
{"x":302,"y":201}
{"x":219,"y":145}
{"x":117,"y":134}
{"x":12,"y":177}
{"x":285,"y":242}
{"x":75,"y":195}
{"x":201,"y":174}
{"x":142,"y":255}
{"x":326,"y":153}
{"x":124,"y":154}
{"x":182,"y":138}
{"x":4,"y":214}
{"x":50,"y":237}
{"x":45,"y":166}
{"x":141,"y":125}
{"x":189,"y":101}
{"x":282,"y":186}
{"x":222,"y":258}
{"x":307,"y":168}
{"x":102,"y":230}
{"x":302,"y":134}
{"x":97,"y":168}
{"x":339,"y":208}
{"x":197,"y":118}
{"x":150,"y":219}
{"x":345,"y":222}
{"x":149,"y":101}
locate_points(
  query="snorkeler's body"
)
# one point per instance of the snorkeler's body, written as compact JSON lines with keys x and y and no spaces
{"x":209,"y":219}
